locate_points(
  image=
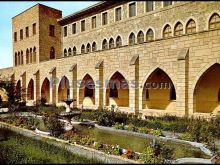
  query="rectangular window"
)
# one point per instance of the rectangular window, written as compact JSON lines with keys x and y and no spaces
{"x":132,"y":9}
{"x":65,"y":31}
{"x":15,"y":36}
{"x":51,"y":30}
{"x":21,"y":34}
{"x":104,"y":18}
{"x":118,"y":14}
{"x":34,"y":28}
{"x":74,"y":28}
{"x":83,"y":26}
{"x":149,"y":6}
{"x":93,"y":22}
{"x":167,"y":3}
{"x":27,"y":31}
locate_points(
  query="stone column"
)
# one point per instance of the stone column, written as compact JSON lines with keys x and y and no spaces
{"x":24,"y":87}
{"x":73,"y":85}
{"x":53,"y":86}
{"x":37,"y":86}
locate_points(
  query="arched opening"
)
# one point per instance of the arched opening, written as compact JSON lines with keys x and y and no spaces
{"x":111,"y":43}
{"x":69,"y":52}
{"x":63,"y":89}
{"x":104,"y":44}
{"x":214,"y":21}
{"x":88,"y":48}
{"x":19,"y":58}
{"x":22,"y":58}
{"x":27,"y":57}
{"x":190,"y":26}
{"x":118,"y":42}
{"x":34,"y":54}
{"x":30,"y":90}
{"x":150,"y":35}
{"x":16,"y":60}
{"x":52,"y":53}
{"x":94,"y":47}
{"x":140,"y":37}
{"x":74,"y":50}
{"x":82,"y":49}
{"x":178,"y":29}
{"x":159,"y":91}
{"x":87,"y":91}
{"x":206,"y":92}
{"x":18,"y":89}
{"x":30,"y":56}
{"x":45,"y":90}
{"x":117,"y":92}
{"x":167,"y":31}
{"x":131,"y":39}
{"x":65,"y":52}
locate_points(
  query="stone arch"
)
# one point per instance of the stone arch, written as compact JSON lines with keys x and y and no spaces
{"x":83,"y":49}
{"x":117,"y":91}
{"x":19,"y":59}
{"x":27,"y":57}
{"x":210,"y":18}
{"x":30,"y":90}
{"x":111,"y":43}
{"x":74,"y":50}
{"x":87,"y":91}
{"x":118,"y":41}
{"x":150,"y":35}
{"x":132,"y":39}
{"x":65,"y":53}
{"x":31,"y":56}
{"x":140,"y":37}
{"x":104,"y":44}
{"x":187,"y":21}
{"x":151,"y":28}
{"x":94,"y":46}
{"x":34,"y":54}
{"x":165,"y":26}
{"x":158,"y":91}
{"x":63,"y":89}
{"x":45,"y":90}
{"x":69,"y":52}
{"x":88,"y":48}
{"x":206,"y":90}
{"x":175,"y":28}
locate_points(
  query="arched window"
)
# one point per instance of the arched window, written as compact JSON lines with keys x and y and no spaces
{"x":65,"y":52}
{"x":104,"y":44}
{"x":69,"y":52}
{"x":150,"y":35}
{"x":172,"y":93}
{"x":34,"y":54}
{"x":30,"y":55}
{"x":111,"y":43}
{"x":74,"y":50}
{"x":132,"y":39}
{"x":178,"y":29}
{"x":167,"y":32}
{"x":94,"y":47}
{"x":140,"y":37}
{"x":27,"y":57}
{"x":82,"y":49}
{"x":191,"y":26}
{"x":16,"y":62}
{"x":118,"y":42}
{"x":22,"y":58}
{"x":52,"y":53}
{"x":214,"y":21}
{"x":19,"y":58}
{"x":88,"y":48}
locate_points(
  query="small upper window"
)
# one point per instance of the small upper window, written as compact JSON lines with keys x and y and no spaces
{"x":74,"y":50}
{"x":27,"y":31}
{"x":118,"y":42}
{"x":83,"y":49}
{"x":93,"y":22}
{"x":104,"y":18}
{"x":167,"y":3}
{"x":149,"y":6}
{"x":132,"y":9}
{"x":178,"y":30}
{"x":167,"y":32}
{"x":132,"y":39}
{"x":88,"y":48}
{"x":69,"y":52}
{"x":111,"y":43}
{"x":65,"y":31}
{"x":118,"y":14}
{"x":150,"y":35}
{"x":34,"y":28}
{"x":83,"y":25}
{"x":104,"y":44}
{"x":214,"y":21}
{"x":140,"y":37}
{"x":52,"y":53}
{"x":51,"y":30}
{"x":21,"y":34}
{"x":74,"y":28}
{"x":65,"y":52}
{"x":94,"y":48}
{"x":15,"y":36}
{"x":191,"y":26}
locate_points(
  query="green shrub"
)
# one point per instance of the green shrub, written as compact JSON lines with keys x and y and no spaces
{"x":157,"y":132}
{"x":142,"y":130}
{"x":131,"y":127}
{"x":149,"y":157}
{"x":187,"y":136}
{"x":118,"y":126}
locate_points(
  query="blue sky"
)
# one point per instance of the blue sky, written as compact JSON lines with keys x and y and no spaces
{"x":10,"y":9}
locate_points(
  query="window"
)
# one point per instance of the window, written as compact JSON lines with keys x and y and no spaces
{"x":94,"y":47}
{"x":214,"y":21}
{"x":149,"y":6}
{"x":140,"y":37}
{"x":65,"y":52}
{"x":34,"y":28}
{"x":172,"y":93}
{"x":65,"y":31}
{"x":34,"y":54}
{"x":114,"y":91}
{"x":147,"y":94}
{"x":16,"y":56}
{"x":74,"y":28}
{"x":132,"y":9}
{"x":15,"y":36}
{"x":88,"y":48}
{"x":27,"y":56}
{"x":132,"y":39}
{"x":69,"y":52}
{"x":21,"y":34}
{"x":83,"y":26}
{"x":118,"y":42}
{"x":51,"y":30}
{"x":52,"y":53}
{"x":167,"y":32}
{"x":167,"y":3}
{"x":111,"y":43}
{"x":27,"y":31}
{"x":104,"y":18}
{"x":178,"y":30}
{"x":22,"y":59}
{"x":74,"y":50}
{"x":150,"y":35}
{"x":191,"y":26}
{"x":83,"y":49}
{"x":93,"y":22}
{"x":30,"y":56}
{"x":104,"y":44}
{"x":118,"y":14}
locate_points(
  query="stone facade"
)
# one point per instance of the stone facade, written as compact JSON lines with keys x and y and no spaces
{"x":189,"y":62}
